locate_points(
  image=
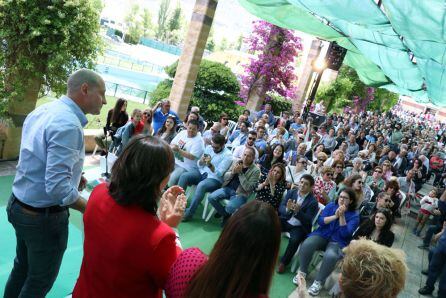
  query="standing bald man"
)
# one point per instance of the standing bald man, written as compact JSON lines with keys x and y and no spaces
{"x":47,"y":183}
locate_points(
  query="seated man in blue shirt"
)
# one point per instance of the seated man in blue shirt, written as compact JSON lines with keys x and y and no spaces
{"x":297,"y":211}
{"x":239,"y":136}
{"x":48,"y":181}
{"x":267,"y":110}
{"x":214,"y":163}
{"x":160,"y":112}
{"x":260,"y":143}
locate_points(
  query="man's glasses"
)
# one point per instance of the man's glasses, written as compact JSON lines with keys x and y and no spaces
{"x":251,"y":139}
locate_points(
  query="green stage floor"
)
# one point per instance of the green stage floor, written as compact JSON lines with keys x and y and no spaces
{"x":196,"y":233}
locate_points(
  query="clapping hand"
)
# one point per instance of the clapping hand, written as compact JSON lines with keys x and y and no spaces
{"x":238,"y":168}
{"x":172,"y":206}
{"x":341,"y":210}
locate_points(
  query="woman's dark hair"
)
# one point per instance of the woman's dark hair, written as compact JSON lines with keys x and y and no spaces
{"x":117,"y":110}
{"x":350,"y":180}
{"x":242,"y":261}
{"x":269,"y":156}
{"x":353,"y":199}
{"x":137,"y":174}
{"x":187,"y":116}
{"x":163,"y":128}
{"x":392,"y":184}
{"x":369,"y":224}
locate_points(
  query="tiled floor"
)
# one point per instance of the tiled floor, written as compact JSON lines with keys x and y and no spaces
{"x":195,"y":233}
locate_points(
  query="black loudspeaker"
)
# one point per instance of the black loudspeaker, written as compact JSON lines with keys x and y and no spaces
{"x":318,"y":120}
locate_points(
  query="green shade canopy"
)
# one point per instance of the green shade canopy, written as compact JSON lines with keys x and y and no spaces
{"x":400,"y":46}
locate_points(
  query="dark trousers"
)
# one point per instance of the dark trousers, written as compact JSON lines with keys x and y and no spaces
{"x":41,"y":243}
{"x":437,"y":262}
{"x":297,"y":235}
{"x":430,"y":232}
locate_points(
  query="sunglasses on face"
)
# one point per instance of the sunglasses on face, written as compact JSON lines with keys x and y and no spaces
{"x":329,"y":174}
{"x":251,"y":139}
{"x":225,"y":119}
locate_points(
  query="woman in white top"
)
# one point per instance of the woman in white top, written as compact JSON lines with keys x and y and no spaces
{"x":294,"y":173}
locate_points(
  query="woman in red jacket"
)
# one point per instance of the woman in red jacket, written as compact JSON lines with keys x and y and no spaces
{"x":128,"y":248}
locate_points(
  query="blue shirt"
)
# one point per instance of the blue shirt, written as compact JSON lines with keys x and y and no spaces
{"x":271,"y":118}
{"x":221,"y":161}
{"x":333,"y":232}
{"x":52,"y":155}
{"x":159,"y":118}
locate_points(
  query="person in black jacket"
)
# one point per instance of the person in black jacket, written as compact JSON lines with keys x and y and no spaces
{"x":377,"y":228}
{"x":297,"y":211}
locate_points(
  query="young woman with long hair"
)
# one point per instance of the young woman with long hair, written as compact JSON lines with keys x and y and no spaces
{"x":275,"y":155}
{"x":377,"y":228}
{"x":241,"y":264}
{"x":272,"y":186}
{"x":169,"y":129}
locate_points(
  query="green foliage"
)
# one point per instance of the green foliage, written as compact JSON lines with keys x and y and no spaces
{"x":146,"y":24}
{"x":279,"y":103}
{"x":163,"y":14}
{"x":384,"y":100}
{"x":43,"y":41}
{"x":340,"y":93}
{"x":224,"y":44}
{"x":215,"y":90}
{"x":134,"y":25}
{"x":161,"y":91}
{"x":210,"y":44}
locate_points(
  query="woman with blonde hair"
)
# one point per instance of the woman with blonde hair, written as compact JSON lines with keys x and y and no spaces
{"x":372,"y":270}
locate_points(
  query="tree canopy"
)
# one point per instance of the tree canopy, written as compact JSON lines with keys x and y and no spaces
{"x":42,"y":43}
{"x":347,"y":91}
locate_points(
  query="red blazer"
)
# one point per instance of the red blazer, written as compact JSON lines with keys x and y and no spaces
{"x":128,"y":252}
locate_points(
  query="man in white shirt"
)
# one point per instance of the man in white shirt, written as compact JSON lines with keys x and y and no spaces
{"x":238,"y":151}
{"x":187,"y":146}
{"x":214,"y":163}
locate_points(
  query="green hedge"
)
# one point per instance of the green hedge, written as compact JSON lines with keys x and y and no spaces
{"x":216,"y":90}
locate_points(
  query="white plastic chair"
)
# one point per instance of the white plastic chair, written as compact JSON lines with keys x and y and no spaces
{"x":231,"y":126}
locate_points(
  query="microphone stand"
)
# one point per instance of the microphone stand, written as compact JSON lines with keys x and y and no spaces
{"x":106,"y":175}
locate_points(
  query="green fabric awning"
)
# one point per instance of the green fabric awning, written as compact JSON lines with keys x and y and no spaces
{"x":400,"y":47}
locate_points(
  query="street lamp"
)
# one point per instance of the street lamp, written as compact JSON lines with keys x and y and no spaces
{"x":318,"y":66}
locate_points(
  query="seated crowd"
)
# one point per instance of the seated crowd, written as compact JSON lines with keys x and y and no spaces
{"x":328,"y":186}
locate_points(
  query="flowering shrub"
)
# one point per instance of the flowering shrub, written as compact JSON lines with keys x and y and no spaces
{"x":272,"y":70}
